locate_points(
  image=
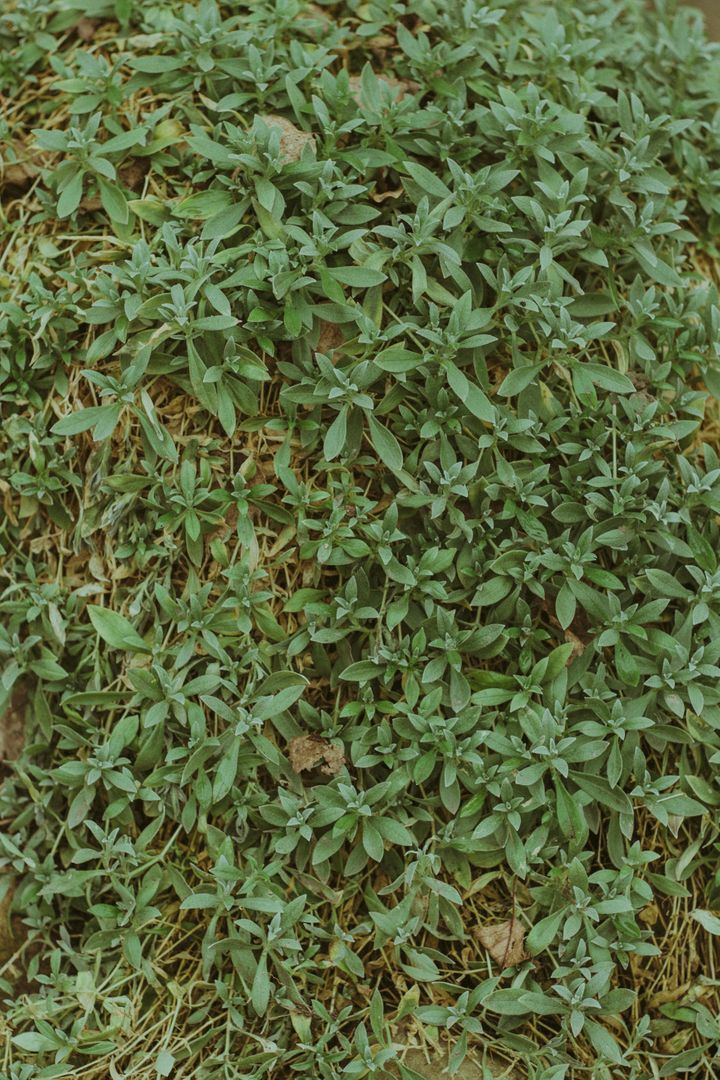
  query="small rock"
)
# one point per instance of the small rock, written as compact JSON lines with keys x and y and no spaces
{"x":292,"y":140}
{"x":398,"y":87}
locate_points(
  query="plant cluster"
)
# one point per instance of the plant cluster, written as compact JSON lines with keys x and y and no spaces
{"x":359,"y":572}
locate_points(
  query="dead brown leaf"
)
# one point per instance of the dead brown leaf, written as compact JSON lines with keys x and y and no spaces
{"x":8,"y":937}
{"x":307,"y":752}
{"x":330,"y":339}
{"x":12,"y":725}
{"x":673,"y":993}
{"x":504,"y":941}
{"x":577,"y":634}
{"x":131,"y":175}
{"x":334,"y":760}
{"x":20,"y":172}
{"x":577,"y":643}
{"x":85,"y":29}
{"x":674,"y":824}
{"x":381,"y":196}
{"x":649,"y":914}
{"x":324,"y":23}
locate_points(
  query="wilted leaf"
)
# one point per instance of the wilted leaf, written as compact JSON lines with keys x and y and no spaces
{"x":11,"y":929}
{"x":85,"y":29}
{"x":312,"y":751}
{"x":578,"y":645}
{"x":131,"y":175}
{"x":19,"y":165}
{"x":504,"y":941}
{"x":330,"y":338}
{"x":12,"y":725}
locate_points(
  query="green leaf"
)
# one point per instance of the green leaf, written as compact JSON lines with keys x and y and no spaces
{"x":164,"y":1063}
{"x":150,"y":209}
{"x":394,"y":832}
{"x":515,"y":1001}
{"x":626,"y":664}
{"x":114,"y":201}
{"x":570,"y":815}
{"x":203,"y":205}
{"x":50,"y":140}
{"x":609,"y":379}
{"x":565,"y":606}
{"x":334,"y":441}
{"x":543,"y":933}
{"x":419,"y":966}
{"x":707,"y":920}
{"x":199,"y":902}
{"x":541,"y":1004}
{"x":362,"y":671}
{"x":603,"y":1041}
{"x":358,"y":277}
{"x":386,"y":444}
{"x":430,"y":183}
{"x":676,"y":429}
{"x":34,"y":1043}
{"x":70,"y":196}
{"x":116,"y":630}
{"x":601,"y":792}
{"x":80,"y":807}
{"x":519,"y":378}
{"x":155,"y":64}
{"x":226,"y":772}
{"x":471,"y":396}
{"x":372,"y":842}
{"x":326,"y":847}
{"x":260,"y":993}
{"x":666,"y":584}
{"x":557,"y":661}
{"x":84,"y":419}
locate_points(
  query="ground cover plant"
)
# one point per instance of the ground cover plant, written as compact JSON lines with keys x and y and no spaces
{"x":359,"y":579}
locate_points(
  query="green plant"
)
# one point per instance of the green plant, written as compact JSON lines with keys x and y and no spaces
{"x":359,"y":368}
